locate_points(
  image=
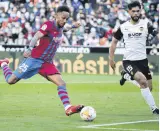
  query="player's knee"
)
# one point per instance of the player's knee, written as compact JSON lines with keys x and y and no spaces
{"x":11,"y":82}
{"x":143,"y":83}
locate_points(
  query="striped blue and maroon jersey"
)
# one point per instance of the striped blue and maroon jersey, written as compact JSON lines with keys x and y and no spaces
{"x":48,"y":44}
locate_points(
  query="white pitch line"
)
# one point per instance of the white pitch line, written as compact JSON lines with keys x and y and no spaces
{"x":45,"y":82}
{"x":114,"y":124}
{"x":123,"y":129}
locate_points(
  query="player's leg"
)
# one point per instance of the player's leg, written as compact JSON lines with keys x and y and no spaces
{"x":134,"y":69}
{"x":126,"y":77}
{"x":8,"y":74}
{"x":25,"y":70}
{"x":63,"y":94}
{"x":50,"y":72}
{"x":146,"y":71}
{"x":61,"y":88}
{"x":123,"y":79}
{"x":145,"y":91}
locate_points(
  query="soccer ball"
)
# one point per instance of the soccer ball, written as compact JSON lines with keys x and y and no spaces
{"x":88,"y":113}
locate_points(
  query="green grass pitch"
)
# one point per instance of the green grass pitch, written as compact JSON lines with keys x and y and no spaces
{"x":33,"y":105}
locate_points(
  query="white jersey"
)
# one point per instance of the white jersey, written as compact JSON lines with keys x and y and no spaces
{"x":134,"y":37}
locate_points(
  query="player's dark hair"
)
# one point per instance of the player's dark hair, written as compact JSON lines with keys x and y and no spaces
{"x":63,"y":8}
{"x":134,"y":4}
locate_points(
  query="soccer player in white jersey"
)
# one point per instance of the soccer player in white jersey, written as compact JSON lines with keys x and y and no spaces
{"x":134,"y":33}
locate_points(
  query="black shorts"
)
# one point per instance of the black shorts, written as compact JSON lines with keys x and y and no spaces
{"x":132,"y":67}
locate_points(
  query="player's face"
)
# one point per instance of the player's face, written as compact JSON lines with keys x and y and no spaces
{"x":62,"y":18}
{"x":135,"y":13}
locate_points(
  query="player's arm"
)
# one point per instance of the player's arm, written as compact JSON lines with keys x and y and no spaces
{"x":33,"y":42}
{"x":116,"y":37}
{"x":42,"y":32}
{"x":68,"y":27}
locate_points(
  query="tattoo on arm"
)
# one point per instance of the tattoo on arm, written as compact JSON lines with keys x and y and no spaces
{"x":34,"y":40}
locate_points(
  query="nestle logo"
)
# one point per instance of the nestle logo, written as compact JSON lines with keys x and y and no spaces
{"x":134,"y":34}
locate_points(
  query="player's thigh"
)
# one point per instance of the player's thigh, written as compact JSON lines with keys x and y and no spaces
{"x":133,"y":69}
{"x":28,"y":68}
{"x":51,"y":73}
{"x":139,"y":76}
{"x":56,"y":79}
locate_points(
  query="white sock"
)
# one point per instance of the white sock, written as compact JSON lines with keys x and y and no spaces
{"x":4,"y":63}
{"x":147,"y":95}
{"x":67,"y":107}
{"x":135,"y":83}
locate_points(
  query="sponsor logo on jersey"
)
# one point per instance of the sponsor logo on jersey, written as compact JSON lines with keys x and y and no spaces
{"x":134,"y":35}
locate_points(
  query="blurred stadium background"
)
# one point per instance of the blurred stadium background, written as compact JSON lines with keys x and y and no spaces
{"x":82,"y":59}
{"x":20,"y":19}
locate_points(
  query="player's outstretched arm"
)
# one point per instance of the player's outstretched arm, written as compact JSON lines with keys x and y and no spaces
{"x":33,"y":42}
{"x":111,"y":52}
{"x":68,"y":27}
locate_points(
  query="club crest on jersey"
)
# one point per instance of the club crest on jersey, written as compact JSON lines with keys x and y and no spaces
{"x":141,"y":28}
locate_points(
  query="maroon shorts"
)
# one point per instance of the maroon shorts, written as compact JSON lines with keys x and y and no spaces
{"x":48,"y":69}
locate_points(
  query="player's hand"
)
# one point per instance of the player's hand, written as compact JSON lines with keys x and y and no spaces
{"x":77,"y":24}
{"x":112,"y":63}
{"x":27,"y":53}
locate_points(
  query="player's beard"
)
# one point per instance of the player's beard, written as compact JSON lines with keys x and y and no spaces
{"x":61,"y":25}
{"x":135,"y":18}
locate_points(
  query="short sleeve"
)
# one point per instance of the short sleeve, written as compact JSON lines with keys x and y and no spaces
{"x":118,"y":34}
{"x":46,"y":27}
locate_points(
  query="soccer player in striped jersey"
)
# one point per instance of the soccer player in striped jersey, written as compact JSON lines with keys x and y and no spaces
{"x":39,"y":57}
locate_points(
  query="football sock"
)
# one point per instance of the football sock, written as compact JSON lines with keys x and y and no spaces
{"x":135,"y":83}
{"x":6,"y":71}
{"x":64,"y":96}
{"x":147,"y":95}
